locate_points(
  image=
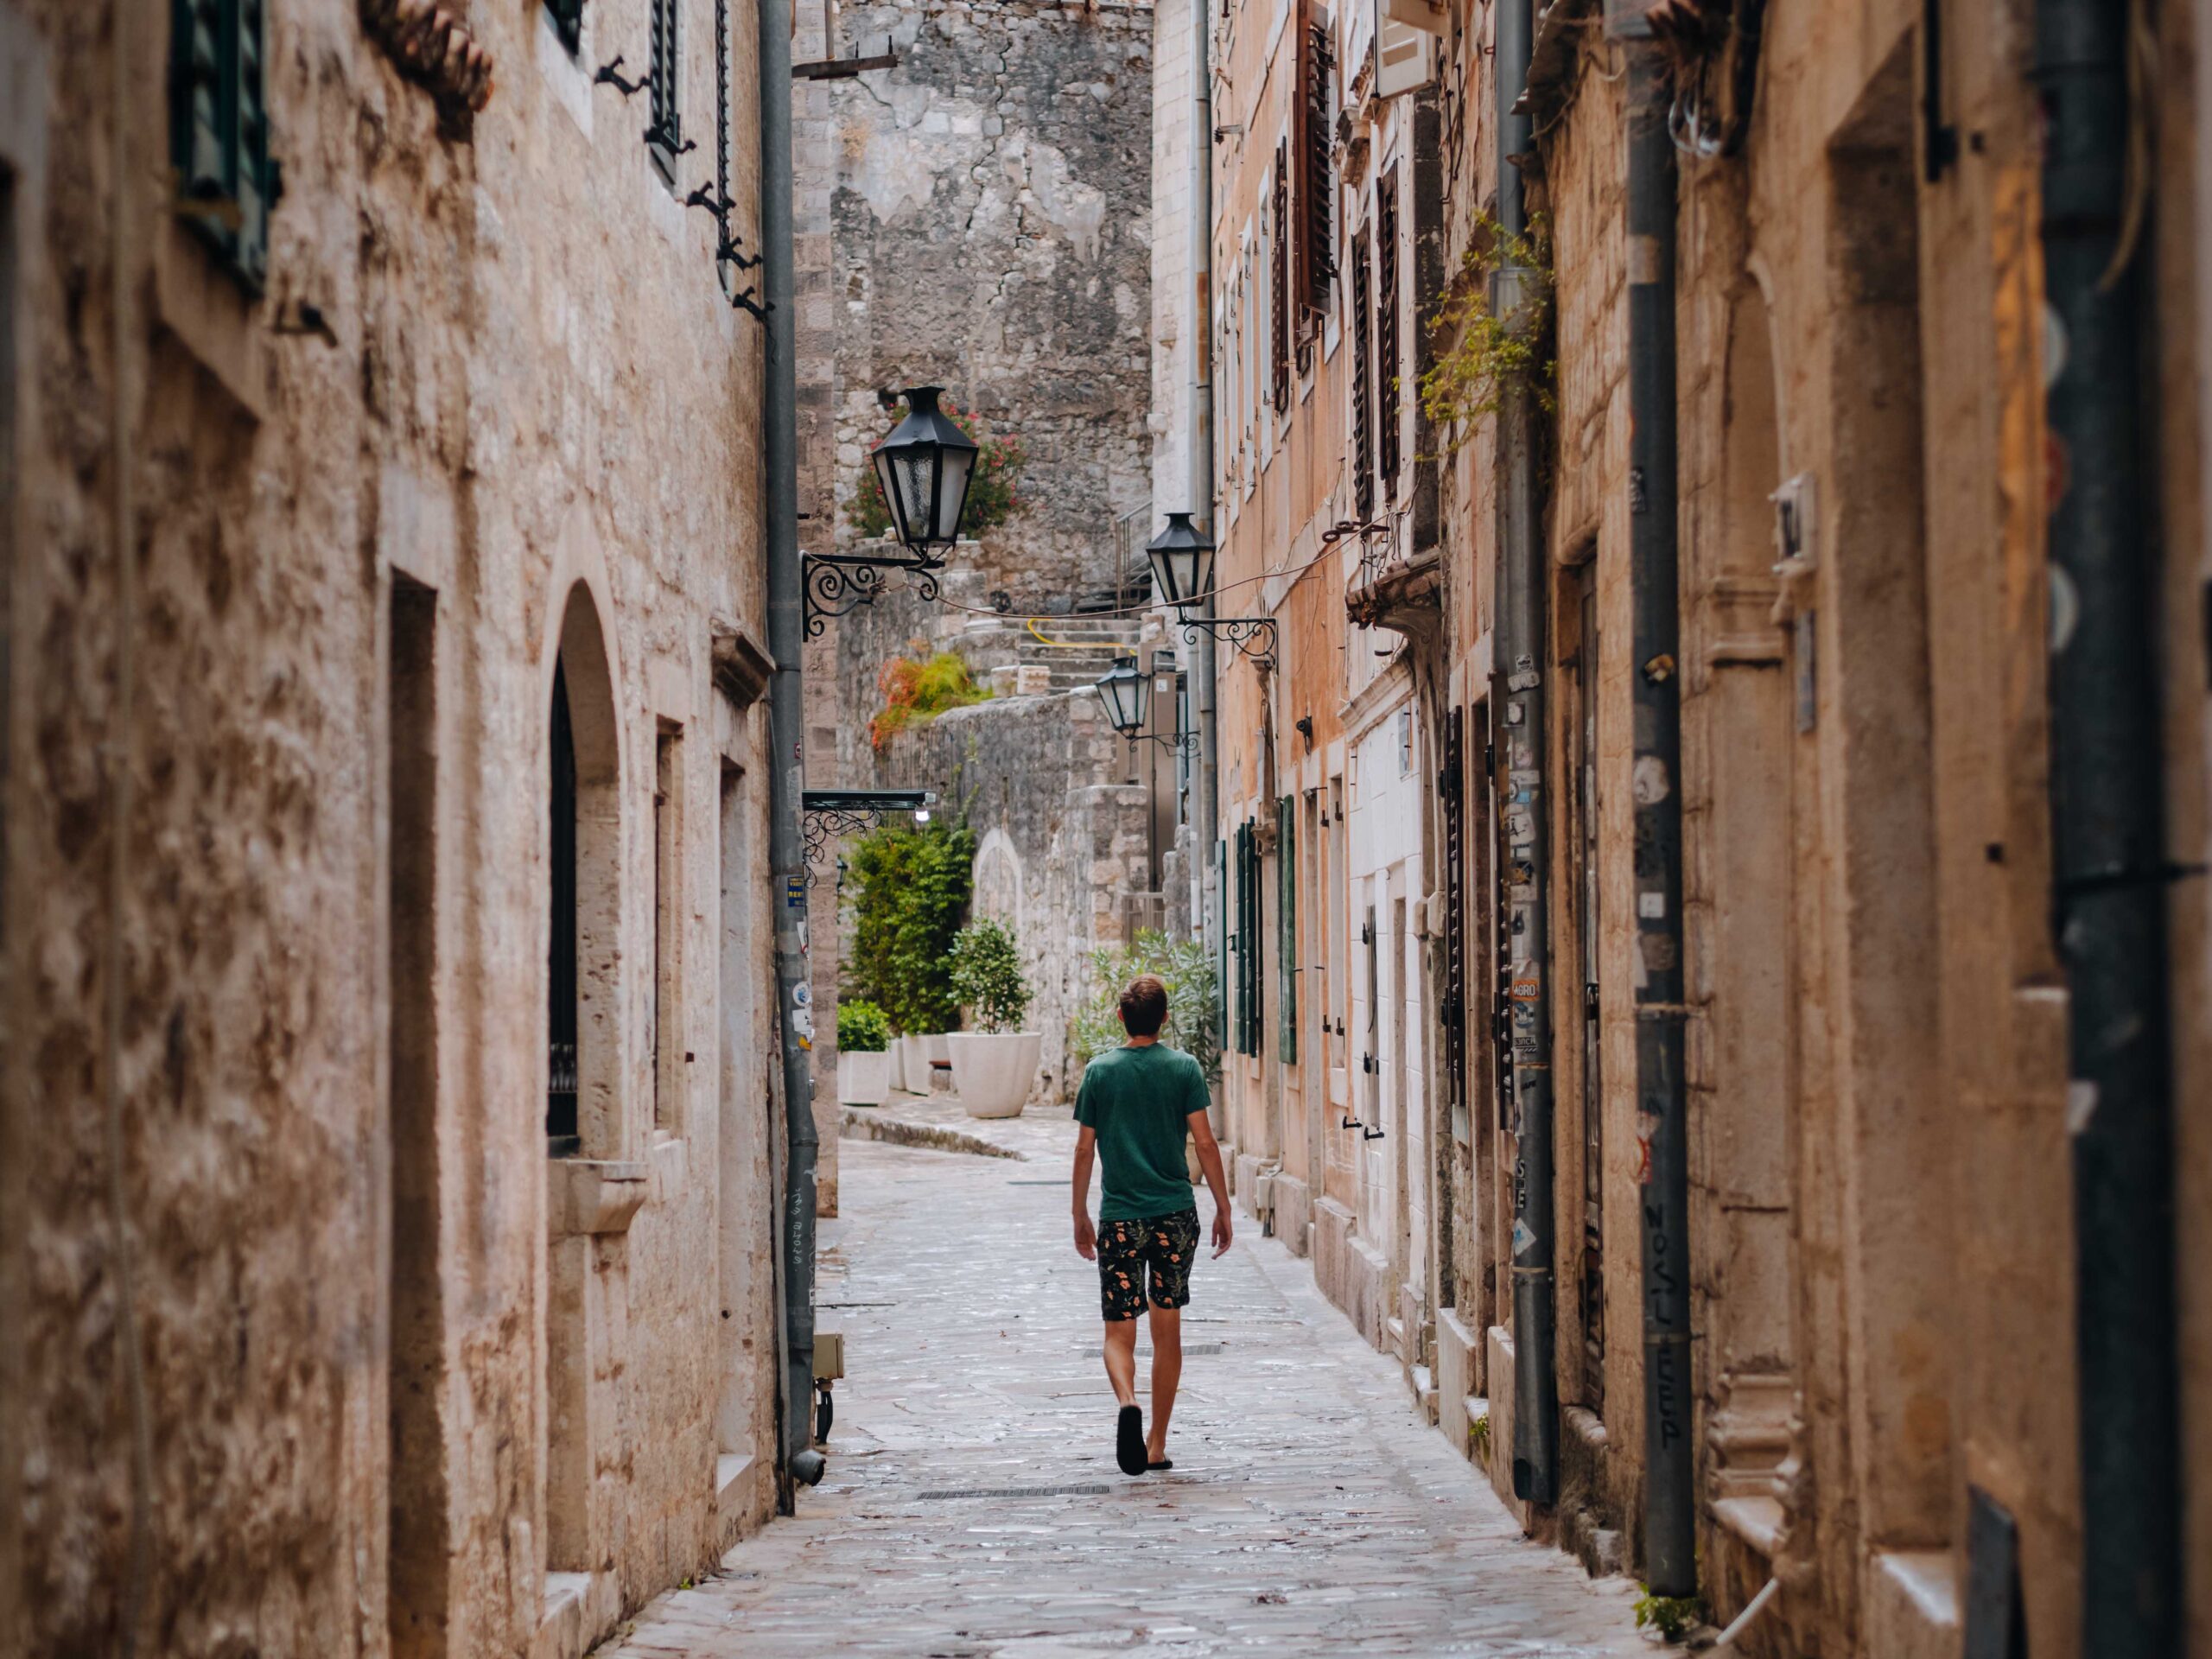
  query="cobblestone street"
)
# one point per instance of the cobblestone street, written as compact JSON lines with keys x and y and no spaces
{"x":973,"y":1507}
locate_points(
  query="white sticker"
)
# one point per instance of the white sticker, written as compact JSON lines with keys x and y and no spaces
{"x":1651,"y":905}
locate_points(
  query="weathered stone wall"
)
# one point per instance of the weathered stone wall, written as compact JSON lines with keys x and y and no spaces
{"x":1059,"y":857}
{"x":981,"y":217}
{"x":520,"y":389}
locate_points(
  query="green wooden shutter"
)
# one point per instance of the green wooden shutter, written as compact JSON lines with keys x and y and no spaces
{"x":218,"y":131}
{"x":1287,"y":928}
{"x":1222,"y":978}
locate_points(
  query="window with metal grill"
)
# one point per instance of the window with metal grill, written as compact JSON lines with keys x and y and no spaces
{"x":664,"y":138}
{"x":1278,"y":282}
{"x":1363,"y":436}
{"x":1316,"y":179}
{"x":568,"y":17}
{"x":1386,"y":333}
{"x":218,"y":131}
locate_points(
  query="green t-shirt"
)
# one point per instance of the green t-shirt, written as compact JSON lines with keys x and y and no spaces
{"x":1139,"y":1101}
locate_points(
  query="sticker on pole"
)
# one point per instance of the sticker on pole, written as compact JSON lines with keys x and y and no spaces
{"x":795,"y":893}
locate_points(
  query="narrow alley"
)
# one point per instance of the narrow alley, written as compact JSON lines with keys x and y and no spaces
{"x":973,"y":1465}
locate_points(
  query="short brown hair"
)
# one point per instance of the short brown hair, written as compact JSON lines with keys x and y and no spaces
{"x":1144,"y":1006}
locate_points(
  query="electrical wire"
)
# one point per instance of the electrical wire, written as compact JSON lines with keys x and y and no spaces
{"x":1030,"y":621}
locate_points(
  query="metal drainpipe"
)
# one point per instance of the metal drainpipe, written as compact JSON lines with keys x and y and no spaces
{"x":1205,"y":787}
{"x":1523,"y":621}
{"x":1661,"y":1106}
{"x":2110,"y":869}
{"x":786,"y":764}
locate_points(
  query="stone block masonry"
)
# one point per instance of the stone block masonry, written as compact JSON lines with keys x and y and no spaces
{"x":311,"y":1346}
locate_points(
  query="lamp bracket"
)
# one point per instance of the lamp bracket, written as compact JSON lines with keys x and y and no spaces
{"x":1251,"y":636}
{"x":838,"y":584}
{"x":828,"y":813}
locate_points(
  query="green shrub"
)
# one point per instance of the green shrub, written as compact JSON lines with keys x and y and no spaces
{"x":1479,"y":353}
{"x":1187,"y":969}
{"x":1671,"y":1616}
{"x":862,"y":1028}
{"x":919,"y":689}
{"x":987,"y":976}
{"x":908,"y":888}
{"x":992,"y":498}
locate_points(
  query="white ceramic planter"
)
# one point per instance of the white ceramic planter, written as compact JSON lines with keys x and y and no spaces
{"x":902,"y":1064}
{"x":992,"y":1074}
{"x":936,"y":1047}
{"x":864,"y":1079}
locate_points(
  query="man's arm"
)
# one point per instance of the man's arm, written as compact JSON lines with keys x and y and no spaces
{"x":1209,"y":1162}
{"x":1086,"y":1150}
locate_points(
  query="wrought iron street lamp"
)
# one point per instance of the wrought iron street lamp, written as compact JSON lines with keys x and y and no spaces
{"x":828,"y":812}
{"x":923,"y":469}
{"x":1182,"y":570}
{"x":1127,"y":692}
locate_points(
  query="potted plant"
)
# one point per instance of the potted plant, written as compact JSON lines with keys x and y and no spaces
{"x":863,"y":1054}
{"x":995,"y":1063}
{"x":907,"y":888}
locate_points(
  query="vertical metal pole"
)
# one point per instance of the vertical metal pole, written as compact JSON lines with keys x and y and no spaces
{"x":1204,"y":787}
{"x":1524,"y":610}
{"x":1662,"y":1103}
{"x":786,"y":718}
{"x":2111,"y":872}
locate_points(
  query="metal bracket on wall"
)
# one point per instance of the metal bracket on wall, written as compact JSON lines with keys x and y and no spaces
{"x":838,"y":584}
{"x":826,"y":813}
{"x":1252,"y":636}
{"x":609,"y":75}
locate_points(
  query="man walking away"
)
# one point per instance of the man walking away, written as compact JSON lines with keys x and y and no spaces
{"x":1136,"y":1104}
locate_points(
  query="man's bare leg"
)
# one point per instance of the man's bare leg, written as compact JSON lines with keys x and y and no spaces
{"x":1166,"y":1374}
{"x":1121,"y":1358}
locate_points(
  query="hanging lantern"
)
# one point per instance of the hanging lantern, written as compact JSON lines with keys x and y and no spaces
{"x":925,"y":468}
{"x":1125,"y":692}
{"x":1182,"y":562}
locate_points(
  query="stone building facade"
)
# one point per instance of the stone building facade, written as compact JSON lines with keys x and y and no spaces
{"x":354,"y":436}
{"x":979,"y":217}
{"x":1888,"y":1293}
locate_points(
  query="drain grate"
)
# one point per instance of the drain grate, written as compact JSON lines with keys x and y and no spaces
{"x":1061,"y":1182}
{"x":1093,"y":1491}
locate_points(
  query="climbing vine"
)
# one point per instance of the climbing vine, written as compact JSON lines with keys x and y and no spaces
{"x":1481,"y":355}
{"x":907,"y":884}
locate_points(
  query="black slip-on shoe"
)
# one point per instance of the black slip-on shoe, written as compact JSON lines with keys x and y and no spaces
{"x":1165,"y":1463}
{"x":1129,"y":1441}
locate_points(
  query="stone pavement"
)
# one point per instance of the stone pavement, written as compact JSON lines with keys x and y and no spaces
{"x":973,"y":1508}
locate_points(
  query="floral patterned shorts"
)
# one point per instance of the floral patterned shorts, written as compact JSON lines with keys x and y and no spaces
{"x":1164,"y":1244}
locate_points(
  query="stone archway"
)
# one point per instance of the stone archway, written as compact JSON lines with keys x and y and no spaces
{"x":591,"y":1193}
{"x":997,"y":890}
{"x":583,"y":1025}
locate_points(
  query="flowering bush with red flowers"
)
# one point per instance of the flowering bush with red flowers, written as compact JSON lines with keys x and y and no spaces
{"x":992,"y":496}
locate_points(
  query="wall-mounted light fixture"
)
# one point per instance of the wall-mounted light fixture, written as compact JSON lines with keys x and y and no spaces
{"x":1182,"y":572}
{"x":923,"y":469}
{"x":1127,"y":693}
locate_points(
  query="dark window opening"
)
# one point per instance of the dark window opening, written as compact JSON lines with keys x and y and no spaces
{"x":568,"y":17}
{"x":664,"y":137}
{"x":219,"y":131}
{"x":1362,"y":437}
{"x":1278,"y":282}
{"x":1316,"y":161}
{"x":562,"y":1135}
{"x":1386,"y":333}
